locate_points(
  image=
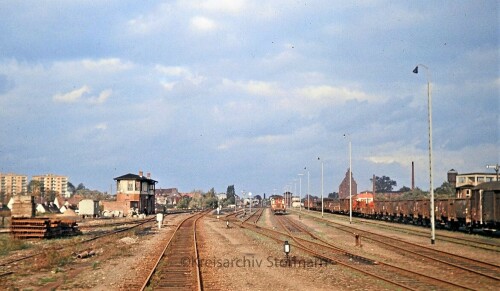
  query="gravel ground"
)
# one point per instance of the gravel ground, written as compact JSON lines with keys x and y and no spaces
{"x":232,"y":258}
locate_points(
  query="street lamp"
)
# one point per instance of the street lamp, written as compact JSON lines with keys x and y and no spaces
{"x":300,"y":191}
{"x":348,"y":136}
{"x":429,"y":105}
{"x":321,"y":187}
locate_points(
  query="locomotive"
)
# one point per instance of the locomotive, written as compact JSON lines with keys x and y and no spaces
{"x":278,"y":204}
{"x":480,"y":210}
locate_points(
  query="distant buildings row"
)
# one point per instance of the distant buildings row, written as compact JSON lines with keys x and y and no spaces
{"x":13,"y":184}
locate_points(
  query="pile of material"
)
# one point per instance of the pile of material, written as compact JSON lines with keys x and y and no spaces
{"x":43,"y":227}
{"x":23,"y":206}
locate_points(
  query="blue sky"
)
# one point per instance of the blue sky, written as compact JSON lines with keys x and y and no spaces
{"x":212,"y":93}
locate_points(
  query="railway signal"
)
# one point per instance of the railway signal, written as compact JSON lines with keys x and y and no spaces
{"x":286,"y":248}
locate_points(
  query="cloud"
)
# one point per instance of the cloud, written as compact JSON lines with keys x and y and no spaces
{"x":253,"y":87}
{"x":101,"y":126}
{"x":77,"y":94}
{"x":220,"y":6}
{"x":72,"y":96}
{"x":329,"y":94}
{"x":111,"y":64}
{"x":202,"y":24}
{"x":177,"y":71}
{"x":103,"y":96}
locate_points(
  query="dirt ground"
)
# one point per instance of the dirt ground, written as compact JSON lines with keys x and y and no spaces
{"x":232,"y":258}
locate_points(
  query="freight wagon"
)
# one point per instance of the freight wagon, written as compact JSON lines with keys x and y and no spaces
{"x":480,"y":210}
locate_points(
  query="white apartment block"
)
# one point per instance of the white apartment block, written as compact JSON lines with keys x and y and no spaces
{"x":12,"y":184}
{"x":51,"y":182}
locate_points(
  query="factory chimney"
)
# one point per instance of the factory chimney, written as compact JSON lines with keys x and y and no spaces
{"x":412,"y":176}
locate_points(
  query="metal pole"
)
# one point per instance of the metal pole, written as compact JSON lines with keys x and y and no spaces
{"x":433,"y":222}
{"x":322,"y":189}
{"x":308,"y":193}
{"x":300,"y":191}
{"x":429,"y":105}
{"x":350,"y":181}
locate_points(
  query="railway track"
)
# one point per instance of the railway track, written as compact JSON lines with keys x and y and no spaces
{"x":394,"y":275}
{"x":176,"y":268}
{"x":72,"y":245}
{"x":475,"y":243}
{"x":415,"y":230}
{"x":465,"y":265}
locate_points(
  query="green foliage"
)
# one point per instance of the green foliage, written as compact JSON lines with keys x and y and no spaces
{"x":417,"y":193}
{"x":230,"y":193}
{"x":333,"y":195}
{"x":71,"y":187}
{"x":210,"y":202}
{"x":445,"y":190}
{"x":184,"y":202}
{"x":384,"y":184}
{"x":404,"y":189}
{"x":35,"y":187}
{"x":8,"y":244}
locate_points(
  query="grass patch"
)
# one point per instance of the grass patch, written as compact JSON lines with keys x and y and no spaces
{"x":9,"y":244}
{"x":44,"y":281}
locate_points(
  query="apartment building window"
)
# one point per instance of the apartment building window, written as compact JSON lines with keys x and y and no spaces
{"x":480,"y":179}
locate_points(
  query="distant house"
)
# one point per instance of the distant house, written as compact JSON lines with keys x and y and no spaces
{"x":88,"y":207}
{"x":47,"y":208}
{"x":169,"y":196}
{"x":133,"y":192}
{"x":367,"y":197}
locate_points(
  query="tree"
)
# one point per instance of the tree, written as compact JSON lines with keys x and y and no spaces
{"x":35,"y":187}
{"x":71,"y":187}
{"x":384,"y":184}
{"x":404,"y":189}
{"x":80,"y":187}
{"x":184,"y":202}
{"x":445,"y":190}
{"x":333,"y":195}
{"x":230,"y":194}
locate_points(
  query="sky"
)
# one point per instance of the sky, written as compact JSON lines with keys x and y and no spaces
{"x":205,"y":94}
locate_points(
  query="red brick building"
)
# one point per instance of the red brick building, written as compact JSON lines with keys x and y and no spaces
{"x":344,"y":186}
{"x":133,"y":191}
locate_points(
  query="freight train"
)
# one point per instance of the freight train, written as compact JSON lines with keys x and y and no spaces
{"x":479,"y":211}
{"x":278,"y":204}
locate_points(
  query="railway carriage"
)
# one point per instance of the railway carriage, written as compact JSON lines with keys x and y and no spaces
{"x":278,"y":204}
{"x":480,"y":210}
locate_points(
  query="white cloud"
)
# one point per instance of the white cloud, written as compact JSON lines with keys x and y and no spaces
{"x":101,"y":126}
{"x":103,"y":96}
{"x":329,"y":94}
{"x":253,"y":87}
{"x":111,"y":64}
{"x":202,"y":23}
{"x":72,"y":96}
{"x":168,"y":85}
{"x":76,"y":96}
{"x":221,"y":6}
{"x":177,"y":71}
